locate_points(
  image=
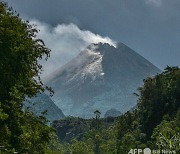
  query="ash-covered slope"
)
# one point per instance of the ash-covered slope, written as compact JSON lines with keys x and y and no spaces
{"x":41,"y":103}
{"x":100,"y":78}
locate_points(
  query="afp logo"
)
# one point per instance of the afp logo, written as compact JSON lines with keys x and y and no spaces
{"x":140,"y":151}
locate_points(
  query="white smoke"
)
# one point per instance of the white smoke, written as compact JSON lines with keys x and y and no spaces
{"x":154,"y":2}
{"x":65,"y":42}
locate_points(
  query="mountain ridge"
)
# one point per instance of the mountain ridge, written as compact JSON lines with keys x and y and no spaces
{"x":41,"y":103}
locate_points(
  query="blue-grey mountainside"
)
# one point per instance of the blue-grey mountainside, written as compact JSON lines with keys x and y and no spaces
{"x":101,"y":77}
{"x":112,"y":113}
{"x":41,"y":103}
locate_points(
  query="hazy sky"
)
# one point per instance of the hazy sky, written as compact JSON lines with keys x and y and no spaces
{"x":150,"y":27}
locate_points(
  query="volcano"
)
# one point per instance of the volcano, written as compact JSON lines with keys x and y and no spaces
{"x":102,"y":77}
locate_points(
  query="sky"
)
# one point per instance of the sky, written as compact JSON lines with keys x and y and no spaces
{"x":150,"y":27}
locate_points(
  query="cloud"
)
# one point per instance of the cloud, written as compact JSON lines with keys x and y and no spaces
{"x":65,"y":42}
{"x":154,"y":2}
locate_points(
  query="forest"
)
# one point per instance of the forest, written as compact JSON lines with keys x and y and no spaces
{"x":153,"y":124}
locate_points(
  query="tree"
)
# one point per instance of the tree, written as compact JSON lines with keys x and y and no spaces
{"x":159,"y":96}
{"x":166,"y":136}
{"x":20,"y":52}
{"x":96,"y":121}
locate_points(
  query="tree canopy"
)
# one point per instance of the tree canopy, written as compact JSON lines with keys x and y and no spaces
{"x":20,"y":52}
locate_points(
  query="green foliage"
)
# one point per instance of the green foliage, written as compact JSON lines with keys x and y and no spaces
{"x":159,"y":96}
{"x":167,"y":134}
{"x":20,"y":52}
{"x":81,"y":148}
{"x":75,"y":128}
{"x":35,"y":134}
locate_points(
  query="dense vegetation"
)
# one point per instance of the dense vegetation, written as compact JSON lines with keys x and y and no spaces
{"x":155,"y":123}
{"x":72,"y":127}
{"x":20,"y":52}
